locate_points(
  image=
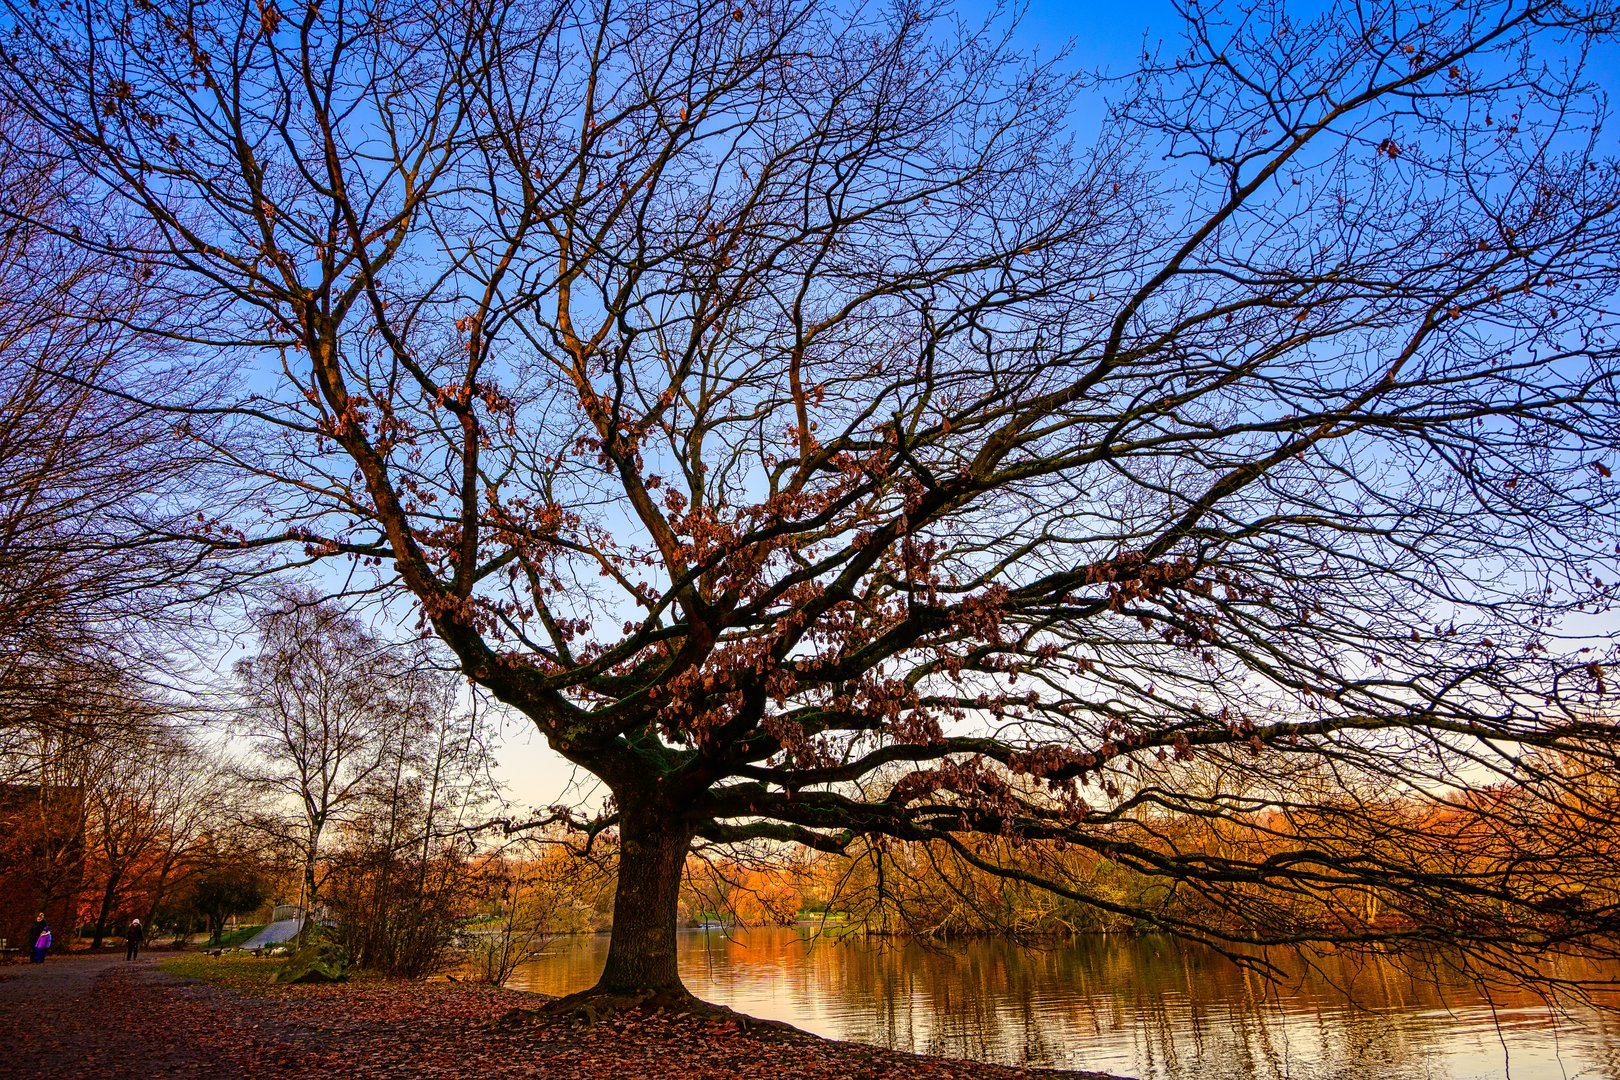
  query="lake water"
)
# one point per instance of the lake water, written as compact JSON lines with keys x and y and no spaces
{"x":1150,"y":1008}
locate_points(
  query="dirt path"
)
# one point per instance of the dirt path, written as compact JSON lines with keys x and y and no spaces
{"x":80,"y":1016}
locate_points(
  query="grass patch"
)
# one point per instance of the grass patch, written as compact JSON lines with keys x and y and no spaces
{"x":241,"y":971}
{"x":236,"y":937}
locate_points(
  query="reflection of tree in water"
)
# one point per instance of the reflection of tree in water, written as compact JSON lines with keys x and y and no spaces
{"x":1146,"y":1007}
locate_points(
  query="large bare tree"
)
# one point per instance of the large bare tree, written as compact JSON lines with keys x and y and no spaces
{"x":817,"y":435}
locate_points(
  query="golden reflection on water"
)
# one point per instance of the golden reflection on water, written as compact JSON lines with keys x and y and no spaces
{"x":1150,"y":1008}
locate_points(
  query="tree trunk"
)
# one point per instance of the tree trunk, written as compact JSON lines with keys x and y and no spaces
{"x":160,"y":892}
{"x":105,"y":913}
{"x":311,"y":852}
{"x":652,"y":854}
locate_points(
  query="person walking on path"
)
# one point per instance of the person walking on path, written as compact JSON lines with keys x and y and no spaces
{"x":42,"y":939}
{"x":133,"y":938}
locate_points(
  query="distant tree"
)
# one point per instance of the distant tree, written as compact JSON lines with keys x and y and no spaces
{"x":530,"y":910}
{"x":784,"y":408}
{"x":125,"y":822}
{"x":318,"y":705}
{"x":226,"y":888}
{"x":403,"y":871}
{"x":59,"y":759}
{"x":149,"y":817}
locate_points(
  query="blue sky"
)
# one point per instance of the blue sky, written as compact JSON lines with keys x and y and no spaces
{"x":1103,"y":34}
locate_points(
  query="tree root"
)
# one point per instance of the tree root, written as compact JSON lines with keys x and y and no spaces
{"x":588,"y":1008}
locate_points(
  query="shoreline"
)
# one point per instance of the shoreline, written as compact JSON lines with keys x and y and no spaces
{"x":472,"y":1031}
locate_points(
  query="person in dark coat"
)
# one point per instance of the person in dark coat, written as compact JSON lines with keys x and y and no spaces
{"x":41,"y":939}
{"x":132,"y":937}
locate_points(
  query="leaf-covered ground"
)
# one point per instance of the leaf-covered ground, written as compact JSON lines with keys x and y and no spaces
{"x":100,"y":1017}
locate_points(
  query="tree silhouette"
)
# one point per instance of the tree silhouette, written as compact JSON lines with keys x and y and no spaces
{"x":321,"y":705}
{"x":811,"y":429}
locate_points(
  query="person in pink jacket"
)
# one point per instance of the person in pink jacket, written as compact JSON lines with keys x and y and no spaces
{"x":42,"y":939}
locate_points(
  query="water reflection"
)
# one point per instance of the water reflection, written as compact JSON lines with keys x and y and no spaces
{"x":1143,"y":1007}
